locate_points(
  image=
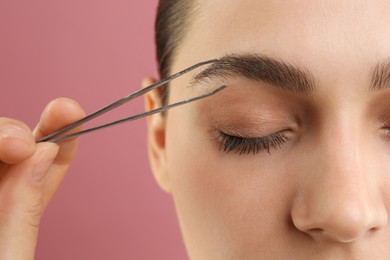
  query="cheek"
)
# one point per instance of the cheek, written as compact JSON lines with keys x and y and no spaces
{"x":222,"y":200}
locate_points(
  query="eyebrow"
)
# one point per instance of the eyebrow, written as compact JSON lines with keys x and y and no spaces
{"x":260,"y":68}
{"x":381,"y":76}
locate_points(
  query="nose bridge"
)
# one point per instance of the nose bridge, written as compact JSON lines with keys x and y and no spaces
{"x":341,"y":147}
{"x":342,"y":198}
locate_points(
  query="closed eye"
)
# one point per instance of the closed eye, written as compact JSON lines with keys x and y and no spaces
{"x":241,"y":145}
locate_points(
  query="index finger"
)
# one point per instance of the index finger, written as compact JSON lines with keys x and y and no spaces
{"x":16,"y":141}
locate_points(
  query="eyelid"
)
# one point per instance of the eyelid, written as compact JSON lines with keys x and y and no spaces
{"x":255,"y":122}
{"x":254,"y":132}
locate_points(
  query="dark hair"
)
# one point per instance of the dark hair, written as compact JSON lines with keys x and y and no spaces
{"x":172,"y":22}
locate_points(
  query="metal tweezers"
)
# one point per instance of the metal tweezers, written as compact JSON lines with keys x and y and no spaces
{"x":57,"y":136}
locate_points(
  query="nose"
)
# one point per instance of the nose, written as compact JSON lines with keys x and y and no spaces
{"x":340,"y":199}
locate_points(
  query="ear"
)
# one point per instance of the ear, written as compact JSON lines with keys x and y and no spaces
{"x":156,"y":136}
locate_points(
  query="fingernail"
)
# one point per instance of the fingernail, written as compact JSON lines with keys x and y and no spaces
{"x":44,"y":162}
{"x":14,"y":132}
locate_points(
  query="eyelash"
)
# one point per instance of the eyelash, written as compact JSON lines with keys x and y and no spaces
{"x":240,"y":145}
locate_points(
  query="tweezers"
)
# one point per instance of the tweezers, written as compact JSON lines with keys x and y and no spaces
{"x":57,"y":136}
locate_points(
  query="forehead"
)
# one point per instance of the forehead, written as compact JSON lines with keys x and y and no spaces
{"x":307,"y":32}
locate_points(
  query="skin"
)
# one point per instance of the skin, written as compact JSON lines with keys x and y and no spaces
{"x":325,"y":193}
{"x":30,"y":174}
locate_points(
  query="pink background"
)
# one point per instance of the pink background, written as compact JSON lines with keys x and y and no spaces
{"x":94,"y":51}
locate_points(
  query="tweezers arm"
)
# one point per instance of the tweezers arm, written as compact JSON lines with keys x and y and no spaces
{"x":138,"y":116}
{"x":120,"y":102}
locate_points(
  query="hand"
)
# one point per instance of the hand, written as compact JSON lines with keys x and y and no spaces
{"x":30,"y":174}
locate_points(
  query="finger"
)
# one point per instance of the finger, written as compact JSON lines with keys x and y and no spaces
{"x":52,"y":182}
{"x":21,"y":202}
{"x":16,"y":141}
{"x":22,"y":184}
{"x":58,"y":114}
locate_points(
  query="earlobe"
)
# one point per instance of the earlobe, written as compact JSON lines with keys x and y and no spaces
{"x":156,"y":136}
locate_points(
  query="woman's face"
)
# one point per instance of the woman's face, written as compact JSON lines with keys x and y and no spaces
{"x":292,"y":160}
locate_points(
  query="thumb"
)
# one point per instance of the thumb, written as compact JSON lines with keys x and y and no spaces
{"x":47,"y":154}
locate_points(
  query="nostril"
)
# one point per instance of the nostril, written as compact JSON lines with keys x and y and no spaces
{"x":316,"y":230}
{"x":342,"y":228}
{"x":374,"y":230}
{"x":315,"y":233}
